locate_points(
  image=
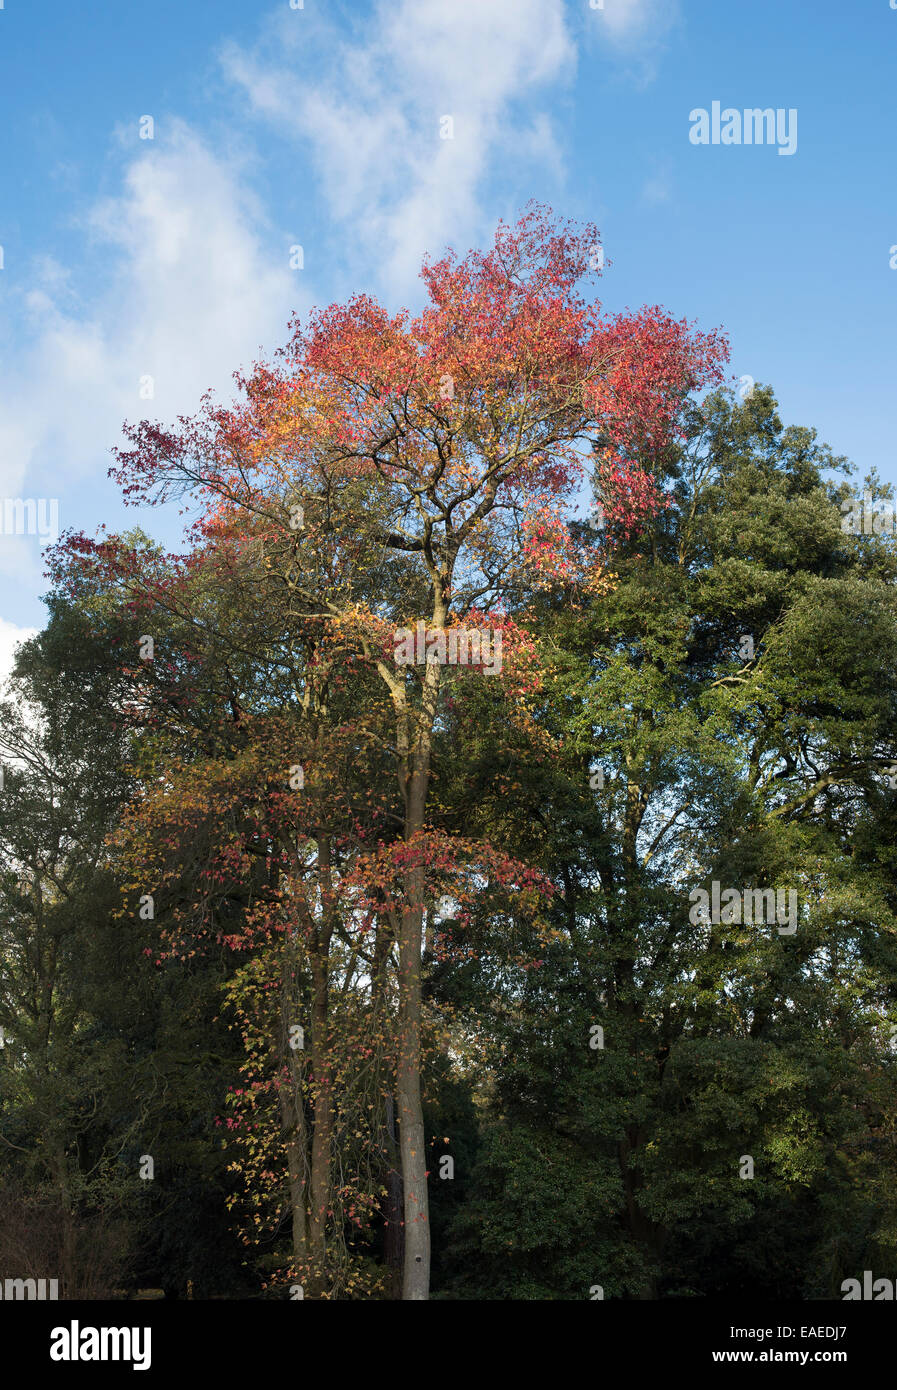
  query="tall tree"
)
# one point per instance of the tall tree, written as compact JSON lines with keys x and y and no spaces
{"x":655,"y":1050}
{"x":444,"y":448}
{"x":63,"y":783}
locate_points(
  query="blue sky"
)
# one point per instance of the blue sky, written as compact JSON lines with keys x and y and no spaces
{"x":126,"y":258}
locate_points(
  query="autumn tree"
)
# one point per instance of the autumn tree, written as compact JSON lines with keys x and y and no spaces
{"x":441,"y":454}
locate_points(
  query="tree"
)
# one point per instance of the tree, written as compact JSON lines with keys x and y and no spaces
{"x":105,"y":1060}
{"x":439,"y":452}
{"x":671,"y":755}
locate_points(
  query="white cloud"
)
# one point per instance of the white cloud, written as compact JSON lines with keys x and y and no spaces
{"x":194,"y":284}
{"x":10,"y":637}
{"x":192,"y":278}
{"x":629,"y":21}
{"x":371,"y":114}
{"x":633,"y":32}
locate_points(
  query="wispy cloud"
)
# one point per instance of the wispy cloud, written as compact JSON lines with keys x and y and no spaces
{"x":194,"y":283}
{"x":191,"y":279}
{"x":10,"y":637}
{"x":634,"y":32}
{"x":628,"y":21}
{"x":405,"y":180}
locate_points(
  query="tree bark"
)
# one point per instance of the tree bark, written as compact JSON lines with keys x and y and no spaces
{"x":292,"y":1113}
{"x":322,"y":1138}
{"x":412,"y":1146}
{"x":414,"y":736}
{"x":394,"y":1245}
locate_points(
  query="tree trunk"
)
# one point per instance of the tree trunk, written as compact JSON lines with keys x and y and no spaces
{"x":292,"y":1113}
{"x":414,"y":735}
{"x":392,"y":1203}
{"x":412,"y":1145}
{"x":394,"y":1246}
{"x":322,"y":1138}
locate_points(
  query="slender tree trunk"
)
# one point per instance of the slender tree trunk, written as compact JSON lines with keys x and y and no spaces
{"x":322,"y":1078}
{"x":412,"y":1140}
{"x":392,"y":1204}
{"x":292,"y":1113}
{"x":416,"y":1282}
{"x":296,"y":1176}
{"x":322,"y":1138}
{"x":414,"y":734}
{"x":394,"y":1251}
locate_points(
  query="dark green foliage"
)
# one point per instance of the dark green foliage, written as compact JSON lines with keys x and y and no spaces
{"x":754,"y":765}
